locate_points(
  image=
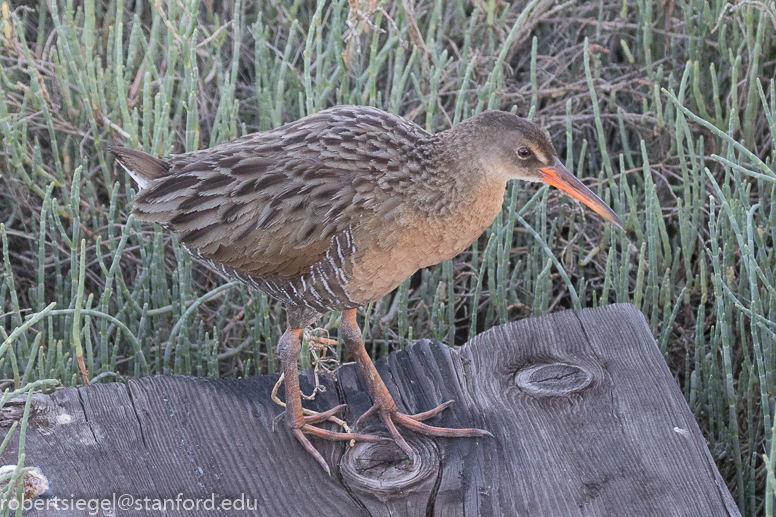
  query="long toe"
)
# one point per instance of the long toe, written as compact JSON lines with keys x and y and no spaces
{"x":317,"y":418}
{"x":312,"y":450}
{"x":410,"y":422}
{"x":433,"y":412}
{"x":335,"y":436}
{"x":369,"y":412}
{"x":388,"y":419}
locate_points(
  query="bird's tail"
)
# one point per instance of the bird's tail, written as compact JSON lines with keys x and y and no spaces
{"x":143,"y":167}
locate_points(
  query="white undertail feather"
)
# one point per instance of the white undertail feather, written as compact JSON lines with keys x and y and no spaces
{"x":142,"y":183}
{"x":142,"y":167}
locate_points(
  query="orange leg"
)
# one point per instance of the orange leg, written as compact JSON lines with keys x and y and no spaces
{"x":289,"y":347}
{"x":384,"y":404}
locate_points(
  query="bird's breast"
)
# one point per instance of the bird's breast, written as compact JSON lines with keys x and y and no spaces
{"x":388,"y":254}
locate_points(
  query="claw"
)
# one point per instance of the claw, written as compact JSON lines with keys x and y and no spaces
{"x":309,"y":448}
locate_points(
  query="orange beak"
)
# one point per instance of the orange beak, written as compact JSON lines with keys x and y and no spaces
{"x":560,"y":177}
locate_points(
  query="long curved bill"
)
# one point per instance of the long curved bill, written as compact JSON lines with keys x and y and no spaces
{"x":560,"y":177}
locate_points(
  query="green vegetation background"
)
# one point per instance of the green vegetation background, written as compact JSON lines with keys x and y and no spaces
{"x":667,"y":109}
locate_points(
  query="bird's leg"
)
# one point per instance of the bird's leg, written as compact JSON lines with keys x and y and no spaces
{"x":383,"y":403}
{"x":289,"y":347}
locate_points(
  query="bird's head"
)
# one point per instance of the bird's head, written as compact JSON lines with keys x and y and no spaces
{"x":514,"y":148}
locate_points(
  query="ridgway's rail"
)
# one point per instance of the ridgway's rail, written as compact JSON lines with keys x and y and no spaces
{"x":336,"y":210}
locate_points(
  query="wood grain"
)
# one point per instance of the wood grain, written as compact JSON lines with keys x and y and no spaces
{"x":586,"y":417}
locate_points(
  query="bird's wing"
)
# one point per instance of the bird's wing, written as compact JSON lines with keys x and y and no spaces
{"x":270,"y":203}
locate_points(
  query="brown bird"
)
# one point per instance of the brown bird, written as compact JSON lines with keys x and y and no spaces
{"x":339,"y":208}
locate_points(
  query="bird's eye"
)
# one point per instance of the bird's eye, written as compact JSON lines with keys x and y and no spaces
{"x":523,"y":152}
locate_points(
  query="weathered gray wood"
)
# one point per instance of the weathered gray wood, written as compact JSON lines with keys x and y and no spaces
{"x":587,"y":421}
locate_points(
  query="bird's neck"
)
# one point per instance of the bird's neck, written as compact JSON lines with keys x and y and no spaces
{"x":456,"y":199}
{"x":454,"y":178}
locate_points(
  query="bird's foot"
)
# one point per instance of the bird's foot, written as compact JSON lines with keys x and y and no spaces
{"x":384,"y":405}
{"x":391,"y":417}
{"x":305,"y":425}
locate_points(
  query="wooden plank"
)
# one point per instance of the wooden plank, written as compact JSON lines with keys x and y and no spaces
{"x":587,"y":420}
{"x":169,"y":435}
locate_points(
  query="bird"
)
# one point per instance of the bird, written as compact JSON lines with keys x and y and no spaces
{"x":336,"y":210}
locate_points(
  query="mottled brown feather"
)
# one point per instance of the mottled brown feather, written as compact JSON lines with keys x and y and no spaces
{"x":281,"y":192}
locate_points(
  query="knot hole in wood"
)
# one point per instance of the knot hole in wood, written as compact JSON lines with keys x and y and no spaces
{"x":554,"y":379}
{"x":383,"y":470}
